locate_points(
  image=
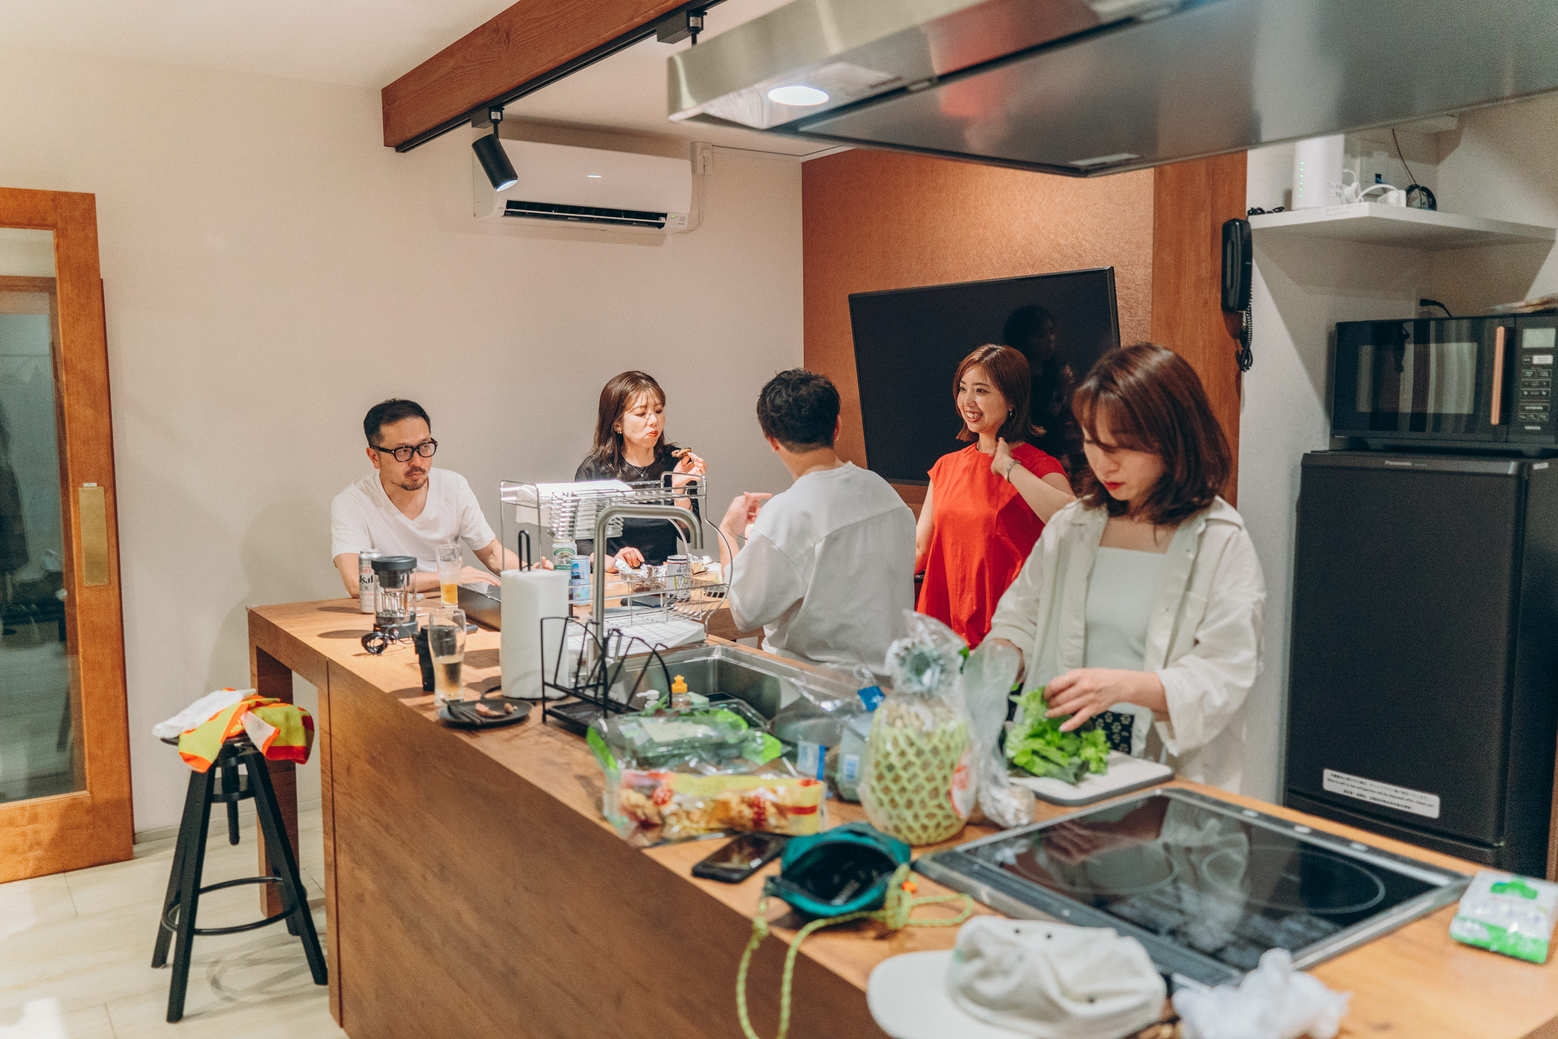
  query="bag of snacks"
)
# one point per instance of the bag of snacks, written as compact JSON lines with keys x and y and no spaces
{"x":655,"y":807}
{"x":677,"y":773}
{"x":917,"y":781}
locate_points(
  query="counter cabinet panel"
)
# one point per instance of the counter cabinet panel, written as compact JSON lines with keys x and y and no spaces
{"x":466,"y":893}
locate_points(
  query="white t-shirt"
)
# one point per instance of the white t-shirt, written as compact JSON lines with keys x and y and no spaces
{"x":828,"y":569}
{"x":362,"y":517}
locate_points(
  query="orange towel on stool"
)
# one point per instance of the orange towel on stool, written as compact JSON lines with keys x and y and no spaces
{"x":282,"y":732}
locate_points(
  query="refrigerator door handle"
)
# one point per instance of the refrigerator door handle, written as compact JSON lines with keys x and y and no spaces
{"x":1496,"y":410}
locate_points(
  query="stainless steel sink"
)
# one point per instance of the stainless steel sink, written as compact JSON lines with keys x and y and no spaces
{"x":766,"y":684}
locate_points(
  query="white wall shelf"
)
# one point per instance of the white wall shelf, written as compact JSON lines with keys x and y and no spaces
{"x":1374,"y":223}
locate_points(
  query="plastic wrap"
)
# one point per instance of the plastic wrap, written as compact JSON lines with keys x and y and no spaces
{"x":676,"y":774}
{"x":828,"y":730}
{"x":917,"y":781}
{"x":656,"y":807}
{"x":987,"y":679}
{"x":1506,"y":913}
{"x":665,"y":737}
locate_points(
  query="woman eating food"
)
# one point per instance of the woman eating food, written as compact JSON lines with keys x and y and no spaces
{"x":1139,"y":610}
{"x":986,"y":504}
{"x":630,"y":446}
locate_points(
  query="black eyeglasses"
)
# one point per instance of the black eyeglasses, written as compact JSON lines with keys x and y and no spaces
{"x":403,"y":453}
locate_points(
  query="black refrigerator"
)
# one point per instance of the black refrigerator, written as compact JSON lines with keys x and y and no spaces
{"x":1423,"y":673}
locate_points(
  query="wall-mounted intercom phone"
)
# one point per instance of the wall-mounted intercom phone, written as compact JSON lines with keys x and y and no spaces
{"x":1237,"y":268}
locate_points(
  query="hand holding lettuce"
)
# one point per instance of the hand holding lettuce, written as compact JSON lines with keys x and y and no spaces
{"x":1036,"y":744}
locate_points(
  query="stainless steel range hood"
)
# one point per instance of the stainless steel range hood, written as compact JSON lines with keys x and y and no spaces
{"x":1084,"y":87}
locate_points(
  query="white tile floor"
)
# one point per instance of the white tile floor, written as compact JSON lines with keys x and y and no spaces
{"x":75,"y":951}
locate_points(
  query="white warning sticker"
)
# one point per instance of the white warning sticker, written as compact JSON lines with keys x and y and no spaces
{"x":1403,"y":799}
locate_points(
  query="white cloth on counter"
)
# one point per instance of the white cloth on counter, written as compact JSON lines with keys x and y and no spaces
{"x":1203,"y":634}
{"x":828,"y":569}
{"x":202,"y":710}
{"x":362,"y":518}
{"x":1273,"y":1001}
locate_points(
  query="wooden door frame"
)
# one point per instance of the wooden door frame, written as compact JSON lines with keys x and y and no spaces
{"x":93,"y":825}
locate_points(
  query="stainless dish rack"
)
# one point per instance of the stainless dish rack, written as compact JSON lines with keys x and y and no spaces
{"x":582,"y":660}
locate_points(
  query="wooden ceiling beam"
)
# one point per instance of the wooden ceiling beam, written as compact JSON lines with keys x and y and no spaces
{"x":520,"y":50}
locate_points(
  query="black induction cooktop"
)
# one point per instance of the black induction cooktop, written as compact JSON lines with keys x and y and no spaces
{"x":1206,"y":885}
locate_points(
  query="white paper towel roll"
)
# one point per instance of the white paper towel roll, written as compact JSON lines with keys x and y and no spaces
{"x":527,"y":597}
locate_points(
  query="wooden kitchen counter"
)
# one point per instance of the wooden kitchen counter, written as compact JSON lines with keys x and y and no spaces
{"x":472,"y":887}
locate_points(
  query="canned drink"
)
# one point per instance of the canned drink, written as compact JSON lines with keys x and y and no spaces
{"x":579,"y":580}
{"x":678,"y":578}
{"x":366,"y":582}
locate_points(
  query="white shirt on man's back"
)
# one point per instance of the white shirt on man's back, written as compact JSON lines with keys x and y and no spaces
{"x":828,"y":569}
{"x":363,"y":518}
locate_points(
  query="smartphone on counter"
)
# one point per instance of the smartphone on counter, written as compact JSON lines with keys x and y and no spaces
{"x":740,"y":858}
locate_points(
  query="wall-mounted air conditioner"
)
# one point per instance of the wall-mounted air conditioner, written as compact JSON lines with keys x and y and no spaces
{"x":559,"y":184}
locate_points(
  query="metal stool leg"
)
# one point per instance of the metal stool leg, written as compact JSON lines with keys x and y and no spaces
{"x":181,"y":848}
{"x":284,"y":862}
{"x":230,"y":786}
{"x":189,"y":896}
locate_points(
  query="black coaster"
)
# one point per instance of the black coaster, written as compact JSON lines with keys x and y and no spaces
{"x":506,"y":710}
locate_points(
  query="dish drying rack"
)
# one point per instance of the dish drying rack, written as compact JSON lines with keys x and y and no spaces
{"x":651,"y":610}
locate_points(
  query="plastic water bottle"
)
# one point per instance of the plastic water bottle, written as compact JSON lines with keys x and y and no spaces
{"x":563,"y":551}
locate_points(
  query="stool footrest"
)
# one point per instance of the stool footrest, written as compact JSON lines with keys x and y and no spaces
{"x":170,"y":918}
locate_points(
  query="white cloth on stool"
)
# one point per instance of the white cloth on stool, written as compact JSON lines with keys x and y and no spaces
{"x":201,"y":710}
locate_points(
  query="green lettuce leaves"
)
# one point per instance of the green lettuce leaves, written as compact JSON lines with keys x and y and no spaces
{"x":1036,"y":744}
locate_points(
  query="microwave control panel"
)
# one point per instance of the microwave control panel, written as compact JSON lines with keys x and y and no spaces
{"x":1533,"y":403}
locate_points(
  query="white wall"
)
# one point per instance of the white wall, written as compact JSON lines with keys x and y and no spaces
{"x":1499,"y":163}
{"x":270,"y":270}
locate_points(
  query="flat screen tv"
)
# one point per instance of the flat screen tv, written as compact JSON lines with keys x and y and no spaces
{"x":908,"y":343}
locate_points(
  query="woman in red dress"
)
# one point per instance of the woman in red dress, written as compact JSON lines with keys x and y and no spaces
{"x":986,"y":504}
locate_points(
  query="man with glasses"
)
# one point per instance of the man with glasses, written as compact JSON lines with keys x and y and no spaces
{"x":405,"y":507}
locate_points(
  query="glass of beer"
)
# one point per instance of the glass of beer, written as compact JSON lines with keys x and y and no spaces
{"x":451,"y":560}
{"x":446,"y":645}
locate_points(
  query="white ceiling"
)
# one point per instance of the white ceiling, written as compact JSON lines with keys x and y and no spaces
{"x":365,"y":43}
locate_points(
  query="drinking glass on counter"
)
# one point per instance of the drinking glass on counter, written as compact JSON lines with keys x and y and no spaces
{"x":446,"y":645}
{"x":451,"y":560}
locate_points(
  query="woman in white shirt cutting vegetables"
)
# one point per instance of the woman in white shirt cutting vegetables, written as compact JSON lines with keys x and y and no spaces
{"x":1140,"y":606}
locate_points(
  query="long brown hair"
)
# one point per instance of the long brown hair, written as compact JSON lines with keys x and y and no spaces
{"x":1008,"y":369}
{"x":620,"y":391}
{"x":1152,"y":400}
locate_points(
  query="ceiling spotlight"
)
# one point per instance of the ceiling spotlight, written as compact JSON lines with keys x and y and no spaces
{"x":489,"y":152}
{"x":798,"y":95}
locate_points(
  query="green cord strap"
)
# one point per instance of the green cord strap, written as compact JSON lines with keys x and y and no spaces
{"x":894,"y":915}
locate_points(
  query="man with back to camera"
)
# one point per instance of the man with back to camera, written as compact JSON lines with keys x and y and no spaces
{"x":828,"y":565}
{"x":406,"y":507}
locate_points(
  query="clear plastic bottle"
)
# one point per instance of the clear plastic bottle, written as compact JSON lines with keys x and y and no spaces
{"x":563,"y":551}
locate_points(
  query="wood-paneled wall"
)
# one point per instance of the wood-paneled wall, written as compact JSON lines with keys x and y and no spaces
{"x":877,"y":220}
{"x":1190,"y":202}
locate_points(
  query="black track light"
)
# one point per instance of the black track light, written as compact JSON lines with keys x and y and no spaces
{"x":489,"y":152}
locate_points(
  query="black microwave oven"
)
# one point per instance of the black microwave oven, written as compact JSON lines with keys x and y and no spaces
{"x":1483,"y":383}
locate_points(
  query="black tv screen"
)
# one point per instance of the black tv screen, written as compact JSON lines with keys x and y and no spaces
{"x":908,"y":343}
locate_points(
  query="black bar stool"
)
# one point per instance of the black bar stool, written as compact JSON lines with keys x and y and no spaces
{"x":180,"y":904}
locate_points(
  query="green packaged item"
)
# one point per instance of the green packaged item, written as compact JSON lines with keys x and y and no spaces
{"x":665,"y":737}
{"x":1509,"y":914}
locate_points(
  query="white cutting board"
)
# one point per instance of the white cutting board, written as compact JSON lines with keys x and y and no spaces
{"x":1124,"y":774}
